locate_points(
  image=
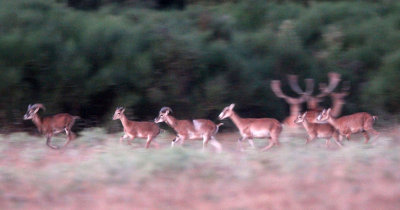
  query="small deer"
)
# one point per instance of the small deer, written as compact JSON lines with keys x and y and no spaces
{"x":315,"y":130}
{"x":250,"y":128}
{"x":190,"y":129}
{"x":52,"y":124}
{"x":133,"y":129}
{"x":349,"y":124}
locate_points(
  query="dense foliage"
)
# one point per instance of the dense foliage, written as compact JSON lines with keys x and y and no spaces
{"x":196,"y":59}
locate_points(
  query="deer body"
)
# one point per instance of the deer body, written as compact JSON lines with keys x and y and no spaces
{"x":347,"y":125}
{"x":135,"y":129}
{"x":315,"y":130}
{"x":250,"y":128}
{"x":51,"y":125}
{"x":190,"y":129}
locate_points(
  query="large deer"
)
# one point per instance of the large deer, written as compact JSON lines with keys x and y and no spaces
{"x":312,"y":101}
{"x":349,"y":124}
{"x":316,"y":130}
{"x":190,"y":129}
{"x":134,"y":129}
{"x":250,"y":128}
{"x":52,"y":124}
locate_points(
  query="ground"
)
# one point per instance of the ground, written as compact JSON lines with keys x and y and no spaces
{"x":96,"y":172}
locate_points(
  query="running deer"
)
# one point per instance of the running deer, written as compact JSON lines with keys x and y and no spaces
{"x":190,"y":129}
{"x":250,"y":128}
{"x":52,"y":124}
{"x":134,"y":129}
{"x":349,"y":124}
{"x":316,"y":130}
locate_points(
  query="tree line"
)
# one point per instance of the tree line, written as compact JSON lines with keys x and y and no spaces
{"x":196,"y":59}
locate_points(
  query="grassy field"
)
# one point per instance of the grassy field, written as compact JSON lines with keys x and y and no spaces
{"x":96,"y":172}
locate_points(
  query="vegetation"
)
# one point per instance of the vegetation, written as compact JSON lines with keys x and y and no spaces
{"x":196,"y":59}
{"x":95,"y":171}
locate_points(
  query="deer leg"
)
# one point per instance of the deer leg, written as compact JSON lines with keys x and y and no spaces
{"x":176,"y":139}
{"x":122,"y":138}
{"x":205,"y":141}
{"x":240,"y":143}
{"x":251,"y":142}
{"x":216,"y":144}
{"x":348,"y":136}
{"x":310,"y":138}
{"x":153,"y":141}
{"x":335,"y":138}
{"x":149,"y":139}
{"x":340,"y":138}
{"x":48,"y":140}
{"x":271,"y":143}
{"x":366,"y":136}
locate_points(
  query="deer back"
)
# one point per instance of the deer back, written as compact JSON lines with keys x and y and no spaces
{"x":354,"y":122}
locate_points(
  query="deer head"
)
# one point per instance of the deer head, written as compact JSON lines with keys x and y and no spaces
{"x":226,"y":112}
{"x":32,"y":110}
{"x":118,"y":113}
{"x":164,"y":112}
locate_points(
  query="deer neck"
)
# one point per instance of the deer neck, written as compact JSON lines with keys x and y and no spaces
{"x":332,"y":121}
{"x":171,"y":121}
{"x":295,"y":109}
{"x":238,"y":121}
{"x":124,"y":121}
{"x":313,"y":104}
{"x":306,"y":125}
{"x":337,"y":107}
{"x":38,"y":122}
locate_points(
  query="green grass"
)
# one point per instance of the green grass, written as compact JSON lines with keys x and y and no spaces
{"x":96,"y":160}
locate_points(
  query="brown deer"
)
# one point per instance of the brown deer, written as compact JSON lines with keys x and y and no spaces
{"x":349,"y":124}
{"x":52,"y":124}
{"x":134,"y":129}
{"x":315,"y":130}
{"x":190,"y":129}
{"x":250,"y":128}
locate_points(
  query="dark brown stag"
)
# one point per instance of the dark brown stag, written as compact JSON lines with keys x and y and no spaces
{"x":51,"y":125}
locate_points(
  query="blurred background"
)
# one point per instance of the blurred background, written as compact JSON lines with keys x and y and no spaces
{"x":86,"y":57}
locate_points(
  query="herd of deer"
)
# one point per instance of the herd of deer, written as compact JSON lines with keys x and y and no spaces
{"x":317,"y":122}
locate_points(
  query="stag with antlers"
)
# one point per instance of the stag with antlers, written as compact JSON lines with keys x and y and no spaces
{"x":305,"y":96}
{"x":52,"y":124}
{"x":190,"y":129}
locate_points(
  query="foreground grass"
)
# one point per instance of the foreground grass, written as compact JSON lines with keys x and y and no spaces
{"x":98,"y":172}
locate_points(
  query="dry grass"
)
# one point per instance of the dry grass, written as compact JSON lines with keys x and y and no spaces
{"x":97,"y":172}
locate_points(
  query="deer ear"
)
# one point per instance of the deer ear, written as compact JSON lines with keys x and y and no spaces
{"x":328,"y":111}
{"x":231,"y":106}
{"x":122,"y":110}
{"x":304,"y":115}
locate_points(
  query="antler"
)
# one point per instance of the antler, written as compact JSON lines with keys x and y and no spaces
{"x":165,"y":110}
{"x":36,"y":106}
{"x":276,"y":88}
{"x":334,"y":79}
